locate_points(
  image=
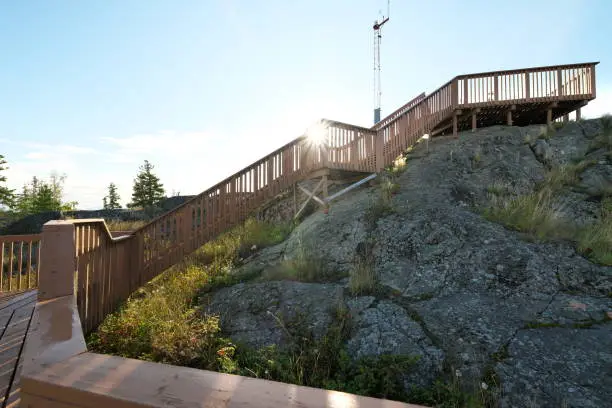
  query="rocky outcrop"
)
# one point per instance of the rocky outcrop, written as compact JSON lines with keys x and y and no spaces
{"x":530,"y":319}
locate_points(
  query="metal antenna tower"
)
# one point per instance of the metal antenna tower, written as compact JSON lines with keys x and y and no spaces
{"x":377,"y":85}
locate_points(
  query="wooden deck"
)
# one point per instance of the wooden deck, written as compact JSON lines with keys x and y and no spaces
{"x":16,"y":311}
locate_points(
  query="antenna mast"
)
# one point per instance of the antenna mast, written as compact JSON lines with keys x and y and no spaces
{"x":377,"y":86}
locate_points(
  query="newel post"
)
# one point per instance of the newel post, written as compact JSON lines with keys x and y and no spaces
{"x":325,"y":146}
{"x":455,"y":93}
{"x":57,"y":260}
{"x":379,"y":148}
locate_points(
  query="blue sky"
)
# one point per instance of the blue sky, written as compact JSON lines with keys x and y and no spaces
{"x":203,"y":88}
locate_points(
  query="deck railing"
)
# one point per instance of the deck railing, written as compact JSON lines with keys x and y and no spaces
{"x":87,"y":272}
{"x":555,"y":83}
{"x":19,"y":262}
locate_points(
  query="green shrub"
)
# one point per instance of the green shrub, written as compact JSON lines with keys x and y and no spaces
{"x":449,"y":394}
{"x":241,"y":241}
{"x":159,"y":321}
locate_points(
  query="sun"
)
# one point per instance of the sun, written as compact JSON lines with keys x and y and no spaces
{"x":317,"y":134}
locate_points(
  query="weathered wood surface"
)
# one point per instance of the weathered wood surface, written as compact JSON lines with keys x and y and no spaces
{"x":15,"y":315}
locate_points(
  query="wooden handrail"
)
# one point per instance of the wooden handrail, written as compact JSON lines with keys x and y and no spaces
{"x":19,"y":262}
{"x":521,"y":70}
{"x":408,"y":105}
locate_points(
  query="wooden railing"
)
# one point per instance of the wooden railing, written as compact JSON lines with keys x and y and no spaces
{"x":108,"y":270}
{"x":19,"y":262}
{"x":555,"y":83}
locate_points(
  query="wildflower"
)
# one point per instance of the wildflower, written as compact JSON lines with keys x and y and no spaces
{"x":484,"y":386}
{"x":457,"y":373}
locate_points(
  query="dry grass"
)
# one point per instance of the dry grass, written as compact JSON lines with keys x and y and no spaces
{"x":535,"y":214}
{"x":539,"y":215}
{"x":566,"y":175}
{"x":116,"y":225}
{"x":18,"y":281}
{"x":499,"y":188}
{"x":595,"y":240}
{"x":306,"y":266}
{"x":362,"y":278}
{"x":383,"y":204}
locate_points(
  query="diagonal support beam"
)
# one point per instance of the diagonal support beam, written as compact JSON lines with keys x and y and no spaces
{"x":311,"y":195}
{"x":314,"y":197}
{"x":349,"y":188}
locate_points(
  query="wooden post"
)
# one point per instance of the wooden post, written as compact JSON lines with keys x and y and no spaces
{"x":295,"y":198}
{"x":496,"y":87}
{"x":474,"y":121}
{"x":455,"y":126}
{"x":325,"y":148}
{"x":325,"y":186}
{"x":455,"y":93}
{"x":527,"y":86}
{"x":233,"y":202}
{"x":57,"y":260}
{"x":380,"y":159}
{"x":509,"y":118}
{"x":565,"y":118}
{"x":549,"y":116}
{"x":593,"y":88}
{"x":578,"y":114}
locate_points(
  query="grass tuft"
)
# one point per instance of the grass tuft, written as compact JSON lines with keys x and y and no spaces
{"x":533,"y":213}
{"x":362,"y":278}
{"x":383,"y":204}
{"x":306,"y":266}
{"x":498,"y":189}
{"x":604,"y":139}
{"x":595,"y":240}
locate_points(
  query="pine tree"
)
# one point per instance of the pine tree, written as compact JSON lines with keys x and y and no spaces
{"x":111,"y":201}
{"x":6,"y":195}
{"x":148,"y":190}
{"x":40,"y":196}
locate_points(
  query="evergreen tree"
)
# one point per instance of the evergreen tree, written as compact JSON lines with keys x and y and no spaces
{"x":111,"y":201}
{"x":6,"y":195}
{"x":148,"y":190}
{"x":41,"y":196}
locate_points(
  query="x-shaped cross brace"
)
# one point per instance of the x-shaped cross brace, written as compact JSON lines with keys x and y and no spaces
{"x":325,"y":202}
{"x":311,"y":196}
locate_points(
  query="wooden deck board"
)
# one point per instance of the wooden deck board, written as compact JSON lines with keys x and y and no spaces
{"x":15,"y":316}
